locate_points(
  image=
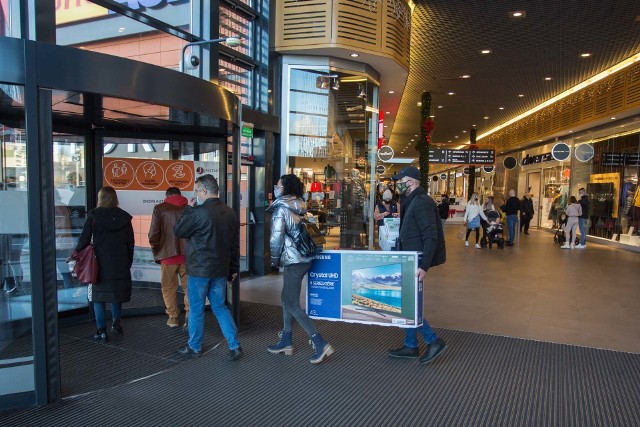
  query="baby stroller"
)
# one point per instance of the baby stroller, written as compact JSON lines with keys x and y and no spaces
{"x":560,"y":237}
{"x":494,"y":229}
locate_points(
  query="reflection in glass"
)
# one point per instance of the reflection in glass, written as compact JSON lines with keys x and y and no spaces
{"x":10,"y":18}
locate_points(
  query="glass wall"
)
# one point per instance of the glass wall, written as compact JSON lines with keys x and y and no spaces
{"x":331,"y":144}
{"x":16,"y":348}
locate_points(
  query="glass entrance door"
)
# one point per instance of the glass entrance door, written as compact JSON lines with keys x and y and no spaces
{"x":533,"y":186}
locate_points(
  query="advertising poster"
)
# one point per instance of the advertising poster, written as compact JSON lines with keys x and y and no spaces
{"x":377,"y":288}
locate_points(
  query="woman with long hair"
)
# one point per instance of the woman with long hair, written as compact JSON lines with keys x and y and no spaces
{"x":110,"y":229}
{"x":472,"y":215}
{"x":286,"y":213}
{"x":573,"y":211}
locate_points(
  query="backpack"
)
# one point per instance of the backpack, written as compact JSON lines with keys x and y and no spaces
{"x":308,"y":240}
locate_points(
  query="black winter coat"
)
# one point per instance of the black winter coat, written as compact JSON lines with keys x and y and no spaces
{"x":113,"y":242}
{"x":212,"y":231}
{"x":421,"y":228}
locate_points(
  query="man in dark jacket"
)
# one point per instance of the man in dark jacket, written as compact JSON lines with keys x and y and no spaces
{"x":526,"y":213}
{"x":212,"y":231}
{"x":420,"y":230}
{"x":443,"y":209}
{"x":511,"y":208}
{"x":582,"y":220}
{"x":168,"y":251}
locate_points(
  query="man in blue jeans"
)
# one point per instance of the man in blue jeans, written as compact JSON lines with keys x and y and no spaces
{"x":420,"y":230}
{"x":212,"y":231}
{"x":582,"y":220}
{"x":511,"y":208}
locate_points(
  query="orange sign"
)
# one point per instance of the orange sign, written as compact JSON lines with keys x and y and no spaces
{"x":145,"y":174}
{"x":77,"y":10}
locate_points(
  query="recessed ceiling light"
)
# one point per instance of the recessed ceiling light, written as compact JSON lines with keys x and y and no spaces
{"x":486,"y":117}
{"x":386,"y":126}
{"x":415,"y":135}
{"x":547,"y":78}
{"x":121,"y":29}
{"x":485,"y":51}
{"x":419,"y":103}
{"x":449,"y":141}
{"x":354,"y":55}
{"x":465,"y":76}
{"x":585,"y":55}
{"x":521,"y":95}
{"x":613,"y":118}
{"x":518,"y":14}
{"x":473,"y":125}
{"x":432,"y":116}
{"x":392,"y":92}
{"x":412,"y":140}
{"x":451,"y":93}
{"x":439,"y":106}
{"x":456,"y":136}
{"x":387,"y":112}
{"x":464,"y":131}
{"x":500,"y":108}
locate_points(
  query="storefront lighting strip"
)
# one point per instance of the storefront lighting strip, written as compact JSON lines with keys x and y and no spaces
{"x":618,"y":67}
{"x":617,"y":135}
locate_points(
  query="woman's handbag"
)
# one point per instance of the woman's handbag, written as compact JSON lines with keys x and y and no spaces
{"x":462,"y":232}
{"x":86,"y":267}
{"x":474,"y":223}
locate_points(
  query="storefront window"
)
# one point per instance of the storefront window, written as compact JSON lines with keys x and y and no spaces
{"x":237,"y":79}
{"x":16,"y":354}
{"x":331,"y":144}
{"x":10,"y":18}
{"x":234,"y":24}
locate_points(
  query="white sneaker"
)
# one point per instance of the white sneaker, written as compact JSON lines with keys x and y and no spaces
{"x":466,"y":243}
{"x":580,"y":246}
{"x":565,"y":246}
{"x":478,"y":246}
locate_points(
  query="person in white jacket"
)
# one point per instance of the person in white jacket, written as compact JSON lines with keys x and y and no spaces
{"x":573,"y":212}
{"x":472,"y":215}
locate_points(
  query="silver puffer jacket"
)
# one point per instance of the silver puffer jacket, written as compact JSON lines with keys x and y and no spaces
{"x":286,"y":212}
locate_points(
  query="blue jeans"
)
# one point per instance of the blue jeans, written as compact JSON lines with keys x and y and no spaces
{"x":582,"y":224}
{"x":411,"y":337}
{"x":99,"y":310}
{"x":512,"y":221}
{"x":214,"y":288}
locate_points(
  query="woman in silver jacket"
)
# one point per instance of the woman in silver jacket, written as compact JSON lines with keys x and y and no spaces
{"x":286,"y":213}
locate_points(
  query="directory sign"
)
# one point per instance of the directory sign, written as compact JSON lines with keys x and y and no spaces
{"x":621,"y":159}
{"x":462,"y":157}
{"x":375,"y":288}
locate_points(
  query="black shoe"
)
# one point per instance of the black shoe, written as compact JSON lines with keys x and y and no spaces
{"x":116,"y":327}
{"x":101,"y":336}
{"x":235,"y":354}
{"x":404,"y":353}
{"x":434,"y":350}
{"x":508,"y":244}
{"x":185,"y":350}
{"x":526,"y":232}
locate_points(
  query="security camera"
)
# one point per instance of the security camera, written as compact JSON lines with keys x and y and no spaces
{"x":193,"y":62}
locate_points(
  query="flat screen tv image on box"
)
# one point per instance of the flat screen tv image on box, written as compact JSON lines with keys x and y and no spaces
{"x":378,"y":289}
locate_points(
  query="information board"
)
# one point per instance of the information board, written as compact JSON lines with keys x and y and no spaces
{"x":621,"y":159}
{"x":462,"y":157}
{"x":369,"y":287}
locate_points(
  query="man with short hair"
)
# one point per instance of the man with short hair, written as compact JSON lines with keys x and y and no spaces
{"x":583,"y":218}
{"x":511,"y":208}
{"x":212,"y":231}
{"x":169,"y":252}
{"x":421,"y":231}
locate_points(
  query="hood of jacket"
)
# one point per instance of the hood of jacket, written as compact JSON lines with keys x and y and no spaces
{"x":176,"y":200}
{"x":291,"y":202}
{"x":111,"y":218}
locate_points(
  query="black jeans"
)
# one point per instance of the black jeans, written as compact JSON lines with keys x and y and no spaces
{"x":290,"y":297}
{"x":524,"y":223}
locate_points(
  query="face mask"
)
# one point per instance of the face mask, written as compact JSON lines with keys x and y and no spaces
{"x":277,"y":192}
{"x":198,"y":201}
{"x":402,"y":187}
{"x":387,"y":200}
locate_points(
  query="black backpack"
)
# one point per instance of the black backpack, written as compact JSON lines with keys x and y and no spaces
{"x":309,"y":240}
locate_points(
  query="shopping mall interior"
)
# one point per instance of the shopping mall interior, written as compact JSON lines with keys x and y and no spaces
{"x":484,"y":98}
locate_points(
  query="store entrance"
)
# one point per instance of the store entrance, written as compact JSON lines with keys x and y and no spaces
{"x":533,"y":187}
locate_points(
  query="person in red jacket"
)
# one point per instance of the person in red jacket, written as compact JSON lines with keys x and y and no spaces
{"x":169,"y":251}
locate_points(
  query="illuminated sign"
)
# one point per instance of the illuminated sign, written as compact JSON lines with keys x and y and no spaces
{"x":80,"y":10}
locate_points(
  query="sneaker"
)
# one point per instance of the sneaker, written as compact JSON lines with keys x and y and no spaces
{"x":478,"y":246}
{"x":404,"y":353}
{"x":434,"y":350}
{"x":235,"y":354}
{"x":101,"y":336}
{"x":185,"y":350}
{"x":565,"y":246}
{"x":466,"y":243}
{"x":173,"y":323}
{"x":580,"y":246}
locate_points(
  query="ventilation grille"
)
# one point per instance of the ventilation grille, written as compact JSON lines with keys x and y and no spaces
{"x":304,"y":21}
{"x":357,"y":24}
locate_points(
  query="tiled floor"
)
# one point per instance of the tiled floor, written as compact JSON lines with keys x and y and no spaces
{"x":535,"y":290}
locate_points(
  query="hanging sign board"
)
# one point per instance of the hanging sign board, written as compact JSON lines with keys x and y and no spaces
{"x":584,"y":152}
{"x":380,"y":169}
{"x":561,"y":151}
{"x":462,"y":157}
{"x":385,"y":153}
{"x":509,"y":162}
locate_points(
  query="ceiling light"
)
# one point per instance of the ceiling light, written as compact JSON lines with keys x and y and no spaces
{"x":354,"y":55}
{"x":412,"y":140}
{"x":432,"y":116}
{"x":500,"y":108}
{"x":449,"y":141}
{"x":419,"y":103}
{"x":473,"y":125}
{"x":451,"y":93}
{"x":439,"y":106}
{"x":121,"y":29}
{"x":387,"y":112}
{"x":521,"y":95}
{"x":391,"y":92}
{"x":465,"y":76}
{"x":518,"y":14}
{"x":456,"y":136}
{"x":485,"y":51}
{"x":547,"y":78}
{"x":385,"y":126}
{"x":486,"y":117}
{"x":585,"y":55}
{"x":464,"y":131}
{"x":613,"y":118}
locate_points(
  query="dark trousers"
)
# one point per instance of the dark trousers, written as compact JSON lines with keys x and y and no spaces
{"x":524,"y":224}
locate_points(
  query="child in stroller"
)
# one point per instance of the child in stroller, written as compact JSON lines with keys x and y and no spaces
{"x":494,"y":229}
{"x":560,"y":237}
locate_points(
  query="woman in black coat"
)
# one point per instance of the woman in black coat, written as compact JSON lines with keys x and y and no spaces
{"x":113,"y":242}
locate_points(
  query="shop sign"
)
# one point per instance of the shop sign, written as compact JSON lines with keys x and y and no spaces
{"x":488,"y":169}
{"x":561,"y":151}
{"x":443,"y":176}
{"x":247,"y":130}
{"x":385,"y":153}
{"x":540,"y":158}
{"x":584,"y":152}
{"x":380,"y":169}
{"x":509,"y":162}
{"x":369,"y":287}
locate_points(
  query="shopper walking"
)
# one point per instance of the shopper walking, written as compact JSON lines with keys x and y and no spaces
{"x":472,"y":216}
{"x":526,"y":213}
{"x":573,"y":211}
{"x":420,"y":231}
{"x":286,"y":213}
{"x":212,"y":231}
{"x":584,"y":218}
{"x":443,"y":209}
{"x":169,"y":251}
{"x":511,"y":208}
{"x":112,"y":233}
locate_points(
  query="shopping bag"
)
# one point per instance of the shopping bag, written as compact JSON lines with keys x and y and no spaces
{"x":462,"y":232}
{"x":86,"y":267}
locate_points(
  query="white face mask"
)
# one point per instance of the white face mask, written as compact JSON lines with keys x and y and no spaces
{"x":277,"y":192}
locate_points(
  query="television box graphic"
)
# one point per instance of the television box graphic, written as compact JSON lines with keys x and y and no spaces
{"x":370,"y":287}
